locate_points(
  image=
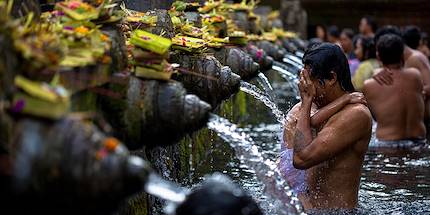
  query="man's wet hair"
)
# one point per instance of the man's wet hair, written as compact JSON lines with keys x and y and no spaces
{"x":387,"y":29}
{"x":348,"y":32}
{"x":390,"y":49}
{"x":333,"y":31}
{"x":324,"y":58}
{"x":412,"y":36}
{"x":368,"y":45}
{"x":372,"y":22}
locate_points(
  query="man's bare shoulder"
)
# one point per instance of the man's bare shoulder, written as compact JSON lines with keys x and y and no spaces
{"x":355,"y":114}
{"x":412,"y":72}
{"x":417,"y":60}
{"x":369,"y":86}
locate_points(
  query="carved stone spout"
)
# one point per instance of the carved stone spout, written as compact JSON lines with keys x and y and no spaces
{"x":152,"y":112}
{"x":207,"y":78}
{"x":239,"y":62}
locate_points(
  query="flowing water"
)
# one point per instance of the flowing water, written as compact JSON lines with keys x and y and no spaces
{"x":291,"y":79}
{"x":257,"y":94}
{"x":396,"y":182}
{"x":264,"y":82}
{"x":283,"y":199}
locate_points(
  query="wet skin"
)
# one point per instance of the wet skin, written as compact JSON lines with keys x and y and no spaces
{"x":333,"y":158}
{"x":398,"y":107}
{"x":412,"y":59}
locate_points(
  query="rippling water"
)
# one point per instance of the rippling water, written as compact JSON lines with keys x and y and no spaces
{"x":392,"y":182}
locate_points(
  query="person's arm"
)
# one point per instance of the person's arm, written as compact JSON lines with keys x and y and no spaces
{"x":340,"y":132}
{"x":290,"y":125}
{"x":329,"y":110}
{"x":332,"y":139}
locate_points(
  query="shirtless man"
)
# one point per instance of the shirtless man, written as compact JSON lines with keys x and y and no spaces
{"x":397,"y":107}
{"x":412,"y":59}
{"x":333,"y":157}
{"x":296,"y":177}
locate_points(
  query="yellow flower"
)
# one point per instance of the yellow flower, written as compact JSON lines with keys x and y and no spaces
{"x":104,"y":38}
{"x":82,"y":30}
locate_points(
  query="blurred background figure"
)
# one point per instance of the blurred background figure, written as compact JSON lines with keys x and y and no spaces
{"x":321,"y":32}
{"x":412,"y":36}
{"x":346,"y":42}
{"x":424,"y":45}
{"x":366,"y":52}
{"x":367,"y":27}
{"x":333,"y":35}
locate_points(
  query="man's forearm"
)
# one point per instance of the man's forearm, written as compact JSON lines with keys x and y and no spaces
{"x":303,"y":134}
{"x":329,"y":110}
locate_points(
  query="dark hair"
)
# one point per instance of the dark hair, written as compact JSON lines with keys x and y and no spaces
{"x":387,"y":29}
{"x":371,"y":21}
{"x":333,"y":31}
{"x":348,"y":32}
{"x":323,"y":28}
{"x":326,"y":57}
{"x":412,"y":36}
{"x":390,"y":49}
{"x":368,"y":46}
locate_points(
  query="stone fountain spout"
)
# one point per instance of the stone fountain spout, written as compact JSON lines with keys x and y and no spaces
{"x":206,"y":77}
{"x":69,"y":166}
{"x":238,"y":61}
{"x":259,"y":56}
{"x":152,"y":112}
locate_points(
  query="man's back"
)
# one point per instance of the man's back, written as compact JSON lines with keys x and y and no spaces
{"x":335,"y":182}
{"x":398,"y":108}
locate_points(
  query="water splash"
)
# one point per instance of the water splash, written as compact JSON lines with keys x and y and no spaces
{"x":266,"y":171}
{"x":259,"y":95}
{"x":294,"y":58}
{"x":166,"y":190}
{"x":289,"y":61}
{"x":263,"y":81}
{"x":290,"y":77}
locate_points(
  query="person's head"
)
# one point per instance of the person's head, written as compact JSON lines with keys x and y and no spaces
{"x":412,"y":36}
{"x":367,"y":25}
{"x":390,"y":49}
{"x":346,"y":37}
{"x":329,"y":71}
{"x":320,"y":32}
{"x":386,"y":29}
{"x":333,"y":34}
{"x":364,"y":48}
{"x":218,"y":195}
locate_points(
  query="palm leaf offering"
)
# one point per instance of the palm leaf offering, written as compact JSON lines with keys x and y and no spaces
{"x":40,"y":99}
{"x":150,"y":42}
{"x":84,"y":43}
{"x":149,"y":54}
{"x":189,"y":44}
{"x":78,"y":10}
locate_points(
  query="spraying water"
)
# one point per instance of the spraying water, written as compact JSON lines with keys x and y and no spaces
{"x":166,"y":190}
{"x":295,"y":59}
{"x":291,"y":78}
{"x":259,"y":95}
{"x":266,"y":171}
{"x":264,"y":82}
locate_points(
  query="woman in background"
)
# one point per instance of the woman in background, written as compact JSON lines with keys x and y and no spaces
{"x":366,"y":52}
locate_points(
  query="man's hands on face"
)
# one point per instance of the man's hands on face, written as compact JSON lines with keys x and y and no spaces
{"x":306,"y":87}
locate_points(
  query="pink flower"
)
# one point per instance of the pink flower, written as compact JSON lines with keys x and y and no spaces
{"x":68,"y":28}
{"x":74,"y":4}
